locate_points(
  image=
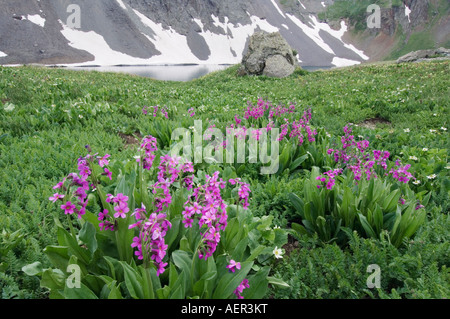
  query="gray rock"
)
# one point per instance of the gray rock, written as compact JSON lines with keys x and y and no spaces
{"x":277,"y":66}
{"x":421,"y":55}
{"x":268,"y":54}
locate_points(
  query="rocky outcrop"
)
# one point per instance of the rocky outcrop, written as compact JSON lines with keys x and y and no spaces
{"x":423,"y":55}
{"x":268,"y":54}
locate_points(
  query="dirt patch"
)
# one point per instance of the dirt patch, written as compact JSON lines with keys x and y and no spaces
{"x":131,"y":140}
{"x":291,"y":245}
{"x":373,"y":123}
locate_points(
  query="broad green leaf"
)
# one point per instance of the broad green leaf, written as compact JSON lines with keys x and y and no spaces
{"x":298,"y":203}
{"x":33,"y":269}
{"x":230,"y":281}
{"x":295,"y":164}
{"x":87,"y":235}
{"x":179,"y":288}
{"x":258,"y":284}
{"x":79,"y":293}
{"x":365,"y":224}
{"x":133,"y":281}
{"x":278,"y":282}
{"x":53,"y":279}
{"x":299,"y":229}
{"x":81,"y":253}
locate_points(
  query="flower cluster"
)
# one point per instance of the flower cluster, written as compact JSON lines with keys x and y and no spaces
{"x":330,"y":180}
{"x":303,"y":124}
{"x":243,"y":191}
{"x":76,"y":186}
{"x":150,"y":241}
{"x":256,"y":111}
{"x":207,"y":204}
{"x":401,"y":173}
{"x":356,"y":156}
{"x":296,"y":129}
{"x":244,"y":284}
{"x":149,"y":146}
{"x":169,"y":171}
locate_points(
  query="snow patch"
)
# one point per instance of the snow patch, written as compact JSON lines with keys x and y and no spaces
{"x":323,"y":4}
{"x":2,"y":54}
{"x":96,"y":45}
{"x":407,"y":13}
{"x":312,"y":33}
{"x":338,"y":34}
{"x":234,"y":39}
{"x":278,"y":8}
{"x":172,"y":45}
{"x":340,"y":62}
{"x":120,"y":2}
{"x":302,"y":4}
{"x":36,"y":19}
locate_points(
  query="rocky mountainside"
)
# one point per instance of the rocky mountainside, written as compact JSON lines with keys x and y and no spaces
{"x":405,"y":26}
{"x":143,"y":32}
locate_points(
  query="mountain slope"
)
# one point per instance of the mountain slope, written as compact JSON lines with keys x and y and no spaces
{"x":115,"y":32}
{"x":159,"y":32}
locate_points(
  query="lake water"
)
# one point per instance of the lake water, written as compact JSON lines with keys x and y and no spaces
{"x":181,"y":73}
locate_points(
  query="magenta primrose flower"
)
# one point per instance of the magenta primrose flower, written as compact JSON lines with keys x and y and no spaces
{"x":121,"y":210}
{"x":233,"y":266}
{"x":55,"y":197}
{"x":103,"y":161}
{"x":68,"y":208}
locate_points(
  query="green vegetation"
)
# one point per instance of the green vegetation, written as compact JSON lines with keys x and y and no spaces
{"x":47,"y":116}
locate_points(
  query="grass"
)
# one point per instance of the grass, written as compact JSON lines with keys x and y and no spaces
{"x":47,"y":116}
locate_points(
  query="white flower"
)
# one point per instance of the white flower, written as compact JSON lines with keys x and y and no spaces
{"x":444,"y":128}
{"x":425,"y":149}
{"x":406,"y":130}
{"x":416,"y":182}
{"x":278,"y":253}
{"x":413,"y":158}
{"x":276,"y":227}
{"x":447,"y":167}
{"x":432,"y":131}
{"x":434,"y":114}
{"x":432,"y":176}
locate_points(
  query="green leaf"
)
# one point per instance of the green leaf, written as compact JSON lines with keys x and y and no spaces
{"x":256,"y":252}
{"x":53,"y":279}
{"x":147,"y":283}
{"x":79,"y":293}
{"x":365,"y":224}
{"x":295,"y":164}
{"x":87,"y":235}
{"x":258,"y":284}
{"x":298,"y":203}
{"x":178,"y":291}
{"x":277,"y":282}
{"x":33,"y":269}
{"x":115,"y":291}
{"x":133,"y":281}
{"x":183,"y":260}
{"x":81,"y":253}
{"x":230,"y":281}
{"x":299,"y":229}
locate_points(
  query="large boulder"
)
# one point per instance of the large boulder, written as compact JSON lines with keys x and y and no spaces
{"x":268,"y":54}
{"x":424,"y":55}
